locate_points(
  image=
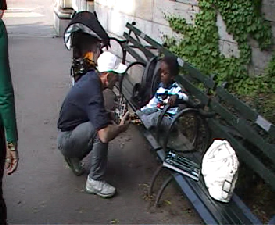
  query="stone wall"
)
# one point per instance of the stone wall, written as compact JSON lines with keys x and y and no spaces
{"x":260,"y":58}
{"x":82,"y":5}
{"x":149,"y":16}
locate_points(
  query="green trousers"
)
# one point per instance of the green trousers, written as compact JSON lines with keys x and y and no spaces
{"x":7,"y":104}
{"x":7,"y":112}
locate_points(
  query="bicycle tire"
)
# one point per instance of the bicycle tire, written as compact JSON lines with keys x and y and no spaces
{"x":126,"y":73}
{"x":197,"y":134}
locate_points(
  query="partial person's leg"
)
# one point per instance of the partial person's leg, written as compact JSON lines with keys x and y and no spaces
{"x":4,"y":78}
{"x":95,"y":183}
{"x":76,"y":145}
{"x":83,"y":140}
{"x":3,"y":209}
{"x":166,"y":122}
{"x":99,"y":158}
{"x":78,"y":142}
{"x":149,"y":120}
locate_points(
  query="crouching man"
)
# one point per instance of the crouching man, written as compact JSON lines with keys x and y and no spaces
{"x":84,"y":124}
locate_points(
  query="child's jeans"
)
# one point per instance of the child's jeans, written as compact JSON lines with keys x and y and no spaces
{"x":150,"y":117}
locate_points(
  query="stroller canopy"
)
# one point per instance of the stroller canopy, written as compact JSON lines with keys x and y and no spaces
{"x":85,"y":22}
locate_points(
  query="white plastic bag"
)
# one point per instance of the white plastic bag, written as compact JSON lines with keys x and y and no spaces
{"x":220,"y":170}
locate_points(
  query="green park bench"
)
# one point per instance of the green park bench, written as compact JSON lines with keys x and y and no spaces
{"x":215,"y":114}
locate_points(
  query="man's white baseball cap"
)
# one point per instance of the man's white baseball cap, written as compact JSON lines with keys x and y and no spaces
{"x":108,"y":62}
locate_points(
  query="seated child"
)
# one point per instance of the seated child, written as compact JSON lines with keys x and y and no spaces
{"x":168,"y":92}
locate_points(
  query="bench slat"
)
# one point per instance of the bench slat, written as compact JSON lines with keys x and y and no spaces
{"x":138,"y":45}
{"x":244,"y":129}
{"x":246,"y":112}
{"x":224,"y":213}
{"x":247,"y":212}
{"x":192,"y":89}
{"x":272,"y":130}
{"x":244,"y":109}
{"x":148,"y":39}
{"x":133,"y":53}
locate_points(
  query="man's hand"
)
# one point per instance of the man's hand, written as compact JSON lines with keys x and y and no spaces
{"x":172,"y":100}
{"x":11,"y":163}
{"x":125,"y":121}
{"x":110,"y":132}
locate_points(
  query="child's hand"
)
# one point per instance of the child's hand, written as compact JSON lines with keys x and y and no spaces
{"x":172,"y":100}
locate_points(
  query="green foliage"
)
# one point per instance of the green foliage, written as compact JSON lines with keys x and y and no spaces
{"x":266,"y":106}
{"x":269,"y":78}
{"x":243,"y":19}
{"x":200,"y":42}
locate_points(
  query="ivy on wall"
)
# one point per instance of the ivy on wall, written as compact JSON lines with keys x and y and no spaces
{"x":271,"y":68}
{"x":200,"y":42}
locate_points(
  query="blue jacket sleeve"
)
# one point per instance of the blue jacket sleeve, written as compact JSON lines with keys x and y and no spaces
{"x":7,"y":103}
{"x":97,"y":114}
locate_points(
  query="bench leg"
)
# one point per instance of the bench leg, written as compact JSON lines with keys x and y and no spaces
{"x":161,"y":190}
{"x":153,"y":179}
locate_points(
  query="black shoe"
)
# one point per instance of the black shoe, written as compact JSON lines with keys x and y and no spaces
{"x":76,"y":165}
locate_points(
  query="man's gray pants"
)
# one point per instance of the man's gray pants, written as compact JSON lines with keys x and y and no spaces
{"x":79,"y":142}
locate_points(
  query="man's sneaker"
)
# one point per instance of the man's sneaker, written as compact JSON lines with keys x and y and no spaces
{"x":76,"y":165}
{"x":100,"y":188}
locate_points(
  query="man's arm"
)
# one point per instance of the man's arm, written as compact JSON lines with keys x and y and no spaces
{"x":7,"y":103}
{"x":111,"y":131}
{"x":100,"y":119}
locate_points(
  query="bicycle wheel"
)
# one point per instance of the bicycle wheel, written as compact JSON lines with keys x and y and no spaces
{"x":188,"y":133}
{"x":133,"y":75}
{"x":183,"y":133}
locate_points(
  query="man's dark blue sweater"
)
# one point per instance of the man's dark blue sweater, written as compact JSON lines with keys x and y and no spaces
{"x":84,"y":102}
